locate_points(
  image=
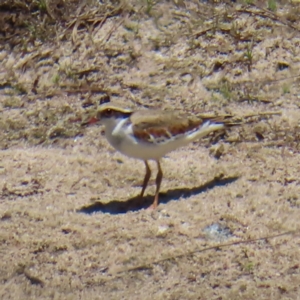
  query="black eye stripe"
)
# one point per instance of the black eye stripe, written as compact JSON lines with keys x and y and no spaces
{"x":110,"y":112}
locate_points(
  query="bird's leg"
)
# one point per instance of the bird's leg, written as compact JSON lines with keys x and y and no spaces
{"x":158,"y":182}
{"x":146,"y":178}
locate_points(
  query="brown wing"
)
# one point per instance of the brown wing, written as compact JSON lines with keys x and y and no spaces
{"x":151,"y":124}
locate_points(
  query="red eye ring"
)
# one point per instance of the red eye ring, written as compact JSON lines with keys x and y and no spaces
{"x":108,"y":112}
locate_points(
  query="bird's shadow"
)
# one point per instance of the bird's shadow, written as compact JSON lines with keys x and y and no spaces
{"x":136,"y":203}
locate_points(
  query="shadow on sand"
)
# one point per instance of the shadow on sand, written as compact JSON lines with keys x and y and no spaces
{"x":136,"y":203}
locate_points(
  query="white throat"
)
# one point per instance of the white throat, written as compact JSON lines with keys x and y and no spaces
{"x":110,"y":124}
{"x":115,"y":130}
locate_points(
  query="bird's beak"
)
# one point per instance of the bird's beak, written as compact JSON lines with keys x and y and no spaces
{"x":90,"y":121}
{"x":93,"y":120}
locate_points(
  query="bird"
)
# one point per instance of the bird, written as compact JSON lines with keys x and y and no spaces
{"x":150,"y":134}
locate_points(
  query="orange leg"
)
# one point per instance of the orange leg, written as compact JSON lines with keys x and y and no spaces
{"x":158,"y":183}
{"x":146,"y":178}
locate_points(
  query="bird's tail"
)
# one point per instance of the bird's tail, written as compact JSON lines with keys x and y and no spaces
{"x":208,"y":126}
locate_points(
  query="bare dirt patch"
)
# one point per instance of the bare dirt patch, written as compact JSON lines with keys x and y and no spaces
{"x":71,"y":224}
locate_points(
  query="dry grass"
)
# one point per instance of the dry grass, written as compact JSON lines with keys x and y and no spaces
{"x":58,"y":60}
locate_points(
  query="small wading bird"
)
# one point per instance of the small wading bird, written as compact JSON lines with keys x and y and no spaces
{"x":151,"y":134}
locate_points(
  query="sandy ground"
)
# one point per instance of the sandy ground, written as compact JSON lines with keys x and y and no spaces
{"x":227,"y":226}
